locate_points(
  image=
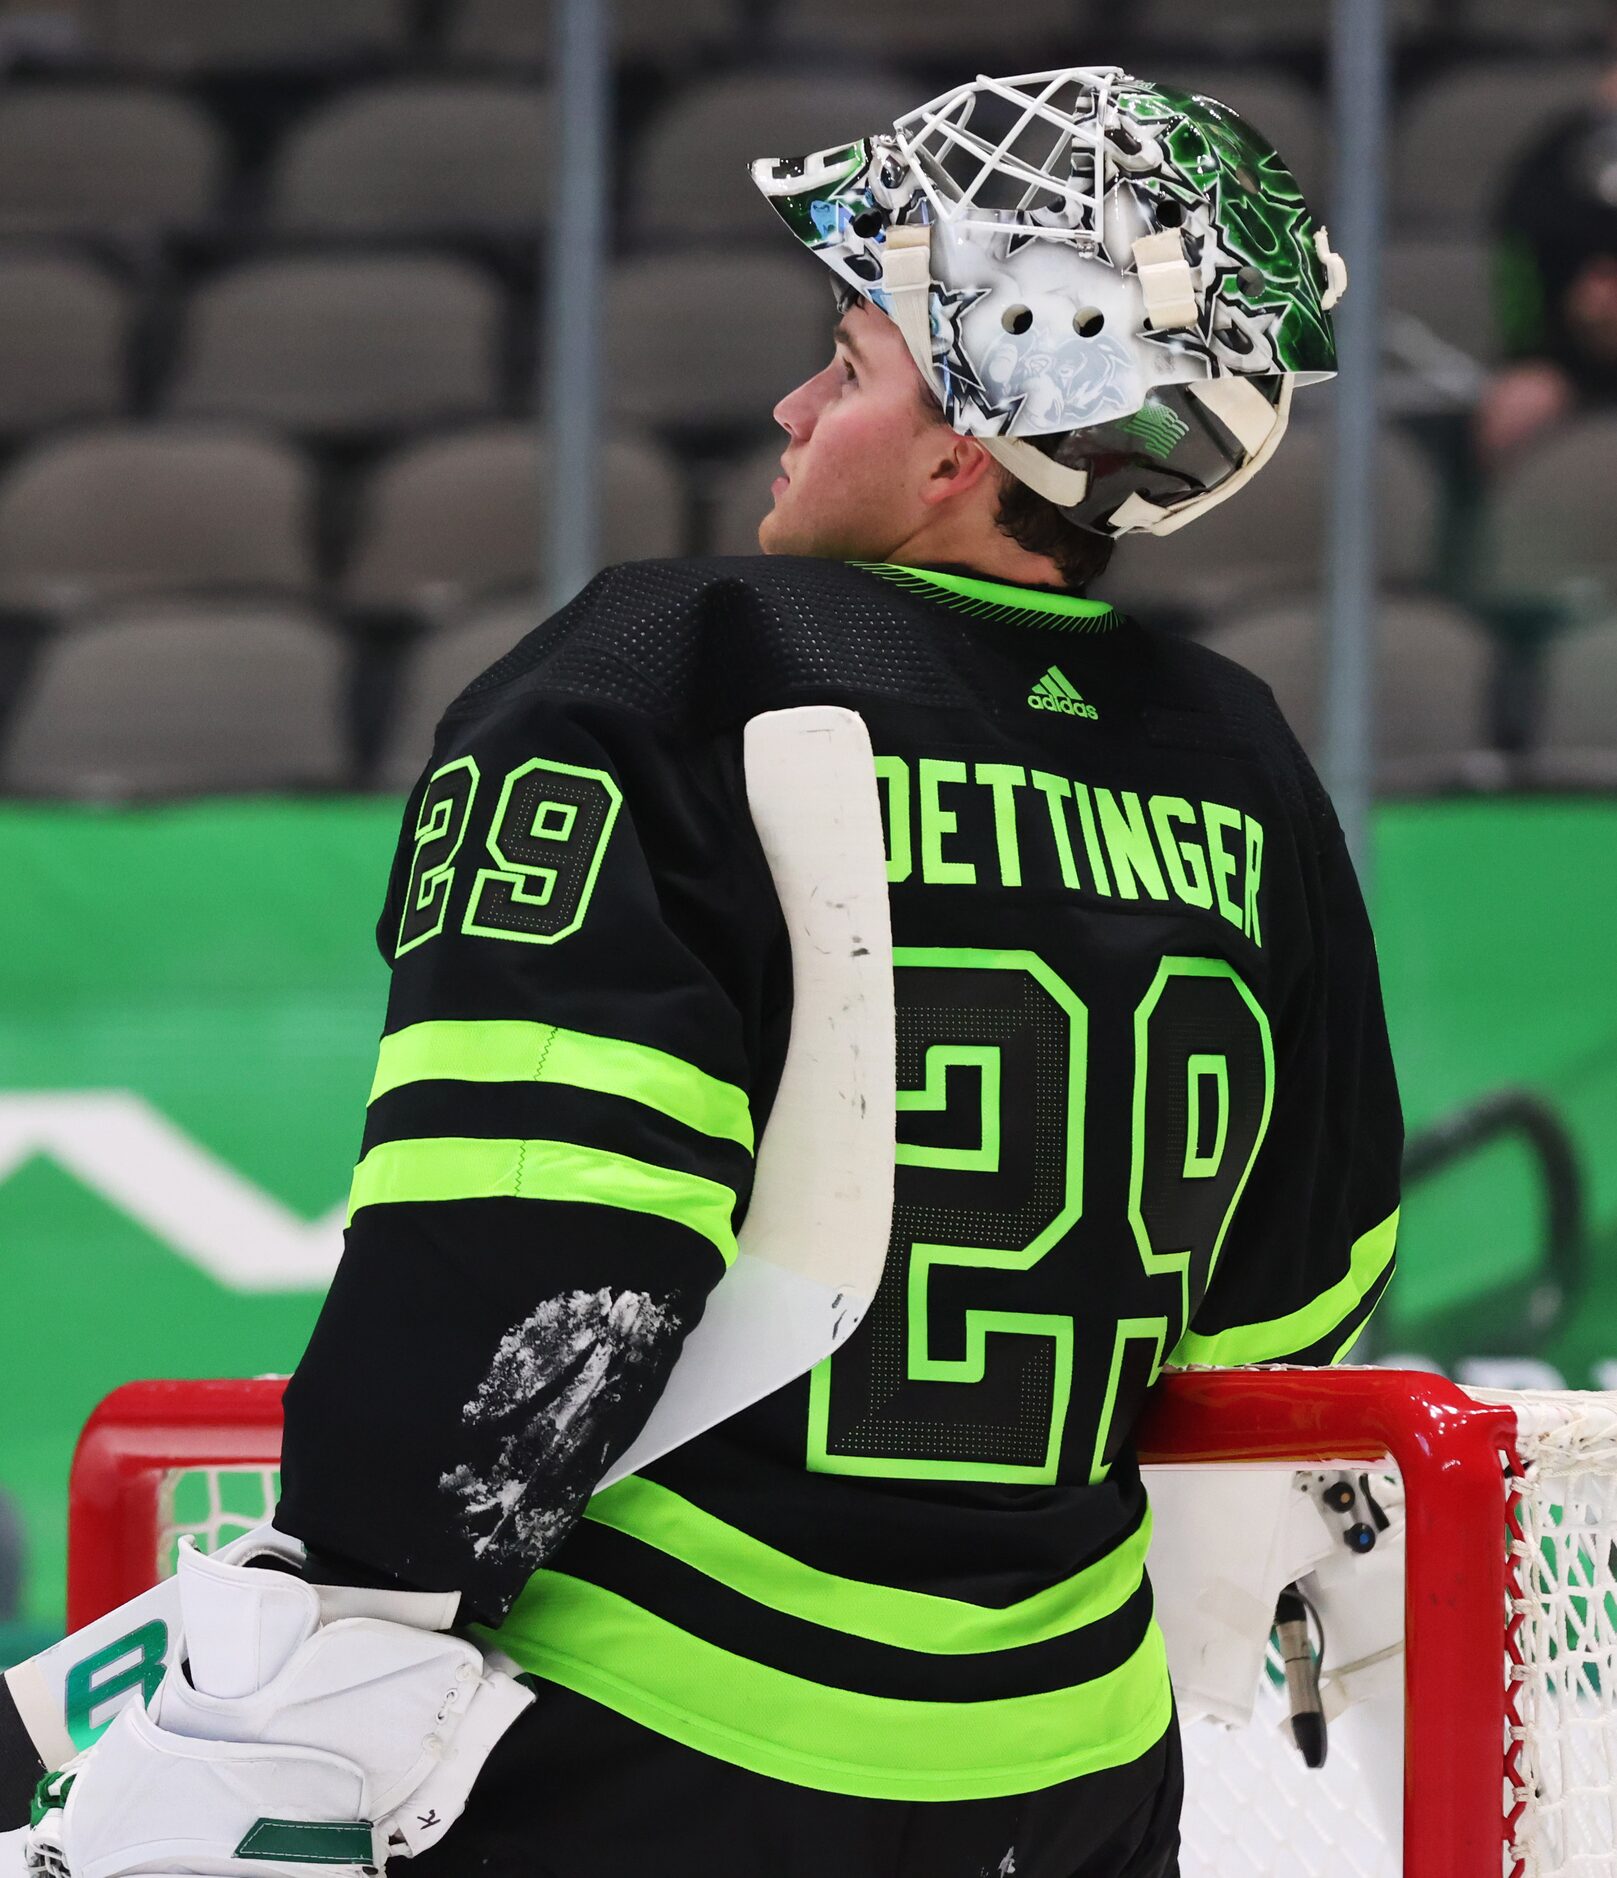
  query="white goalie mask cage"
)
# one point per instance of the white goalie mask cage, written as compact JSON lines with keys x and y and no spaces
{"x":1114,"y":285}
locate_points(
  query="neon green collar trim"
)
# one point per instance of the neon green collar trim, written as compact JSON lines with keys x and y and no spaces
{"x":994,"y":599}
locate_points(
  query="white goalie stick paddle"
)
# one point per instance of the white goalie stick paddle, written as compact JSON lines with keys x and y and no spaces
{"x":815,"y":1237}
{"x":814,"y":1242}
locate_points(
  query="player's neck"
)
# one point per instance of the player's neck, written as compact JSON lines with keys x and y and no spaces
{"x":976,"y":543}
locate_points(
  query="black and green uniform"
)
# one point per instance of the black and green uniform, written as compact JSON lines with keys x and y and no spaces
{"x":1146,"y":1115}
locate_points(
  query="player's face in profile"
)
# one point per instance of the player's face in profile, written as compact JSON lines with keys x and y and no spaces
{"x":856,"y":453}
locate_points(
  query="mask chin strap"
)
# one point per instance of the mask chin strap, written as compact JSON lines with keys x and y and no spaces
{"x":1066,"y":488}
{"x":1255,"y":423}
{"x":907,"y":283}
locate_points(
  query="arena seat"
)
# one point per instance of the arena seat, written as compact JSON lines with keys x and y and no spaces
{"x":448,"y":661}
{"x":165,"y":696}
{"x":934,"y":30}
{"x":187,"y":37}
{"x":344,"y":347}
{"x":713,"y":339}
{"x":454,"y":517}
{"x":1240,"y":29}
{"x":741,"y":497}
{"x":95,"y":515}
{"x":690,"y":178}
{"x":1273,"y":536}
{"x":1433,"y":664}
{"x":415,"y":158}
{"x":1546,"y":24}
{"x":1547,"y":520}
{"x":519,"y":34}
{"x":51,"y":30}
{"x":1457,"y":140}
{"x":1579,"y":703}
{"x":113,"y":160}
{"x":64,"y":334}
{"x":1446,"y":284}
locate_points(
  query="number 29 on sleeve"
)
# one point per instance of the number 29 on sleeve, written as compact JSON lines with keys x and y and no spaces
{"x":543,"y":852}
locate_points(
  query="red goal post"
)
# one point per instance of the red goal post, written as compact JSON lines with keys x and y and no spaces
{"x":1470,"y":1610}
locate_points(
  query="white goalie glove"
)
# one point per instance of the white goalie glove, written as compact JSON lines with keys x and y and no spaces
{"x":304,"y":1727}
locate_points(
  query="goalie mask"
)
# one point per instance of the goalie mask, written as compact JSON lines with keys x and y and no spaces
{"x":1114,"y":285}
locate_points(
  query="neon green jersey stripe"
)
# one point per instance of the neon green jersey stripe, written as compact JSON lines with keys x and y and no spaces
{"x":527,"y":1052}
{"x":599,"y":1645}
{"x":1001,"y":593}
{"x":908,"y":1620}
{"x":1285,"y":1336}
{"x":458,"y":1167}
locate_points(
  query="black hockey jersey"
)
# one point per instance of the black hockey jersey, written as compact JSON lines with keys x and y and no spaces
{"x":1147,"y":1114}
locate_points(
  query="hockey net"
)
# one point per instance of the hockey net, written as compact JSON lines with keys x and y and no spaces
{"x":1498,"y":1753}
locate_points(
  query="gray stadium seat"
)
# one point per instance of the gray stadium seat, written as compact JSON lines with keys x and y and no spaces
{"x":742,"y":498}
{"x":690,"y":176}
{"x":503,"y":34}
{"x":1547,"y":523}
{"x":419,"y":158}
{"x":63,"y":330}
{"x":49,"y":30}
{"x":109,"y":160}
{"x":344,"y":346}
{"x":185,"y":36}
{"x":460,"y":516}
{"x":1433,"y":664}
{"x":120,"y":511}
{"x":1241,"y":28}
{"x":1547,"y":23}
{"x":707,"y":340}
{"x":1271,"y":535}
{"x":1456,"y":142}
{"x":1446,"y":284}
{"x":443,"y":667}
{"x":163,"y":697}
{"x":933,"y":29}
{"x":1579,"y":711}
{"x":1283,"y":108}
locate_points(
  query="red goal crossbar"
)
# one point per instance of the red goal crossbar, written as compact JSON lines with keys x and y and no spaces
{"x":1451,"y":1450}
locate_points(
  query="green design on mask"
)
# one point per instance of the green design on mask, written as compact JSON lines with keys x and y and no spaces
{"x":1259,"y":212}
{"x":798,"y":211}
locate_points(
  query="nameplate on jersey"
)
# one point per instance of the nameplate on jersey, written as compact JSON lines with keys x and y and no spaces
{"x":952,"y":823}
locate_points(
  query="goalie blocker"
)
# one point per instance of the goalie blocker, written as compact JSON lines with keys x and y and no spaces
{"x":308,"y":1726}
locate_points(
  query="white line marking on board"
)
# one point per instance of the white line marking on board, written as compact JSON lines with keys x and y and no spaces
{"x":200,"y":1206}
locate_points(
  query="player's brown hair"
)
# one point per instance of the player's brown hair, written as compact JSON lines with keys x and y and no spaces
{"x":1041,"y":528}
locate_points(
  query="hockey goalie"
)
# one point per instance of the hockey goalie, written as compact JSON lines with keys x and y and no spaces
{"x":887,"y":1616}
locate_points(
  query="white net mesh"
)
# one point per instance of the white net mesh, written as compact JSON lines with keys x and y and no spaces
{"x":1562,"y":1641}
{"x":211,"y":1505}
{"x":1253,"y":1810}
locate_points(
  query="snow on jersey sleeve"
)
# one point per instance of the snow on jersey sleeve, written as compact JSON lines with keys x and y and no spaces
{"x":1309,"y":1248}
{"x":558,"y":1144}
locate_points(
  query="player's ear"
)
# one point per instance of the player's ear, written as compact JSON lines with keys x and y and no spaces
{"x":955,"y":465}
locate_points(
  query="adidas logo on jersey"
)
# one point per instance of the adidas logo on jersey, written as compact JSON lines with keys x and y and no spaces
{"x":1053,"y":692}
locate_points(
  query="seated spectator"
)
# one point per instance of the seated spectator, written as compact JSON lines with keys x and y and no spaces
{"x":1556,"y":226}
